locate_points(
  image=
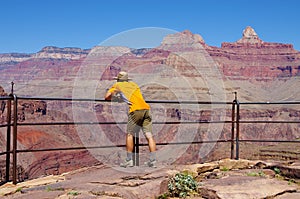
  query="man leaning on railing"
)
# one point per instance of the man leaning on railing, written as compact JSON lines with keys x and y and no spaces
{"x":139,"y":116}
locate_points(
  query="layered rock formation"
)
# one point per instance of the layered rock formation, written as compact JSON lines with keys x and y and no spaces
{"x":250,"y":58}
{"x":247,"y":59}
{"x":47,"y":53}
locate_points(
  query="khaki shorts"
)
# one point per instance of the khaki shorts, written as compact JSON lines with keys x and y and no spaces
{"x":140,"y":119}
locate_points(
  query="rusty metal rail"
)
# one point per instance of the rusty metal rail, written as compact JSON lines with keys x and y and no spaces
{"x":12,"y":123}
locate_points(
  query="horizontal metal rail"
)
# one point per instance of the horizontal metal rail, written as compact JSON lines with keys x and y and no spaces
{"x":114,"y":146}
{"x":270,"y":103}
{"x":4,"y":125}
{"x":261,"y":122}
{"x":102,"y":100}
{"x":109,"y":123}
{"x":5,"y":97}
{"x":4,"y":153}
{"x":279,"y":141}
{"x":69,"y":148}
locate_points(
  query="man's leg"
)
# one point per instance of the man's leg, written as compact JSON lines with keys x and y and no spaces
{"x":131,"y":127}
{"x":147,"y":129}
{"x":152,"y":149}
{"x":129,"y":148}
{"x":152,"y":144}
{"x":129,"y":143}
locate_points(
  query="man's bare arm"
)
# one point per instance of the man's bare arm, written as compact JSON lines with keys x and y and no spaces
{"x":108,"y":96}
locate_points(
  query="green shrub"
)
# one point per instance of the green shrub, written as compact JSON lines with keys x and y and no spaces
{"x":19,"y":189}
{"x":224,"y":169}
{"x":276,"y":170}
{"x":256,"y":174}
{"x":48,"y":188}
{"x":73,"y":193}
{"x":182,"y":185}
{"x":163,"y":196}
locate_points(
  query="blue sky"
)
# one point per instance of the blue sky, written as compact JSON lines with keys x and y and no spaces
{"x":29,"y":25}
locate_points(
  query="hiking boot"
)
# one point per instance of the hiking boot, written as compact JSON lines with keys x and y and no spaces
{"x":151,"y":163}
{"x":127,"y":163}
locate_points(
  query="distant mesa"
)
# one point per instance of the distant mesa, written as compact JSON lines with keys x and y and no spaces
{"x":54,"y":49}
{"x":182,"y":37}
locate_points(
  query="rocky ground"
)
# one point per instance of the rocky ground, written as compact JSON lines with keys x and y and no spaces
{"x":240,"y":179}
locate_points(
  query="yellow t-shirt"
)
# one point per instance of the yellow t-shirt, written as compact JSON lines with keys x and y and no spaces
{"x":133,"y":93}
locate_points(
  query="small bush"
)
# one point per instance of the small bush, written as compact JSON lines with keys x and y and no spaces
{"x":48,"y":188}
{"x":73,"y":193}
{"x":224,"y":169}
{"x":256,"y":174}
{"x":163,"y":196}
{"x":19,"y":189}
{"x":276,"y":170}
{"x":182,"y":185}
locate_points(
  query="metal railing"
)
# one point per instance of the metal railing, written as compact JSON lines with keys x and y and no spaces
{"x":12,"y":123}
{"x":239,"y":122}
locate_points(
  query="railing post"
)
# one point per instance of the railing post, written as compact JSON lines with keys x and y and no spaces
{"x":136,"y":142}
{"x":237,"y":130}
{"x":14,"y":151}
{"x":232,"y":128}
{"x":8,"y":139}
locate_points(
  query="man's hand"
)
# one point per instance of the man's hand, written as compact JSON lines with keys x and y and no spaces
{"x":117,"y":97}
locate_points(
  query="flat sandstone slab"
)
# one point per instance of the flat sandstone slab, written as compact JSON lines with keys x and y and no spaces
{"x":245,"y":187}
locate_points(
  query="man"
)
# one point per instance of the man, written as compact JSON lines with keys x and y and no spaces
{"x":139,"y":116}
